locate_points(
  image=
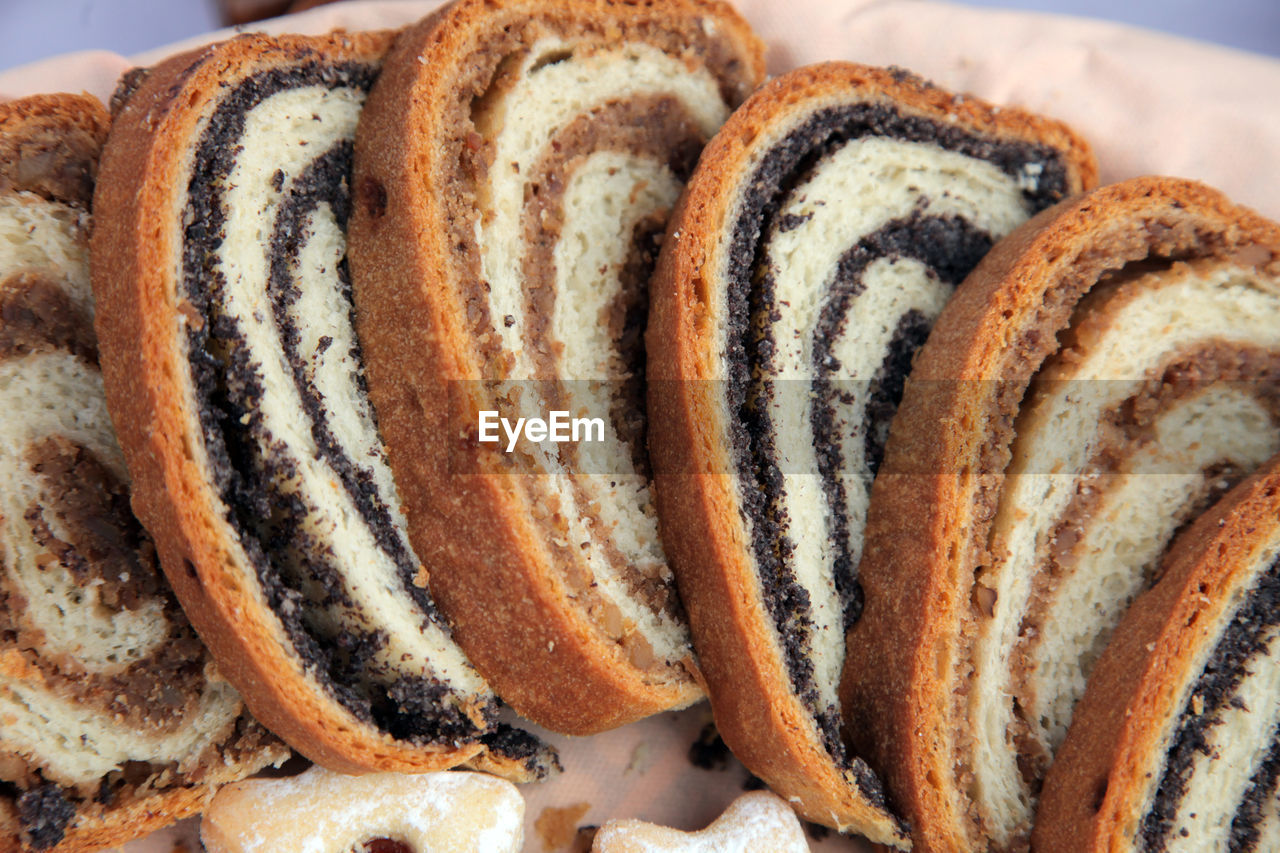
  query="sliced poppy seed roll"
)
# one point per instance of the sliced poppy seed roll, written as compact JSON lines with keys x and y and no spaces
{"x":1176,"y":743}
{"x":113,"y":720}
{"x":822,"y":233}
{"x":1101,"y":377}
{"x":234,"y":372}
{"x":514,"y":170}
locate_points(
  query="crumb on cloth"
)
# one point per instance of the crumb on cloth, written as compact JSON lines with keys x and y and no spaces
{"x":709,"y":751}
{"x":558,"y":827}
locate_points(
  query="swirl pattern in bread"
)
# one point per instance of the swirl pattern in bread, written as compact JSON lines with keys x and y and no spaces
{"x":514,"y":167}
{"x":113,"y":719}
{"x":1103,"y":375}
{"x":825,"y":228}
{"x":234,"y":371}
{"x":1176,"y":743}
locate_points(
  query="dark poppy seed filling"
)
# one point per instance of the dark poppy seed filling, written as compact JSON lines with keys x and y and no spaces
{"x":948,"y":247}
{"x":1258,"y":812}
{"x":45,"y":812}
{"x":1220,"y":765}
{"x":850,"y":234}
{"x":325,"y":183}
{"x":291,"y":439}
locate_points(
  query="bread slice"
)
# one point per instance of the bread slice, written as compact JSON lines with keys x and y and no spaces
{"x":113,"y":719}
{"x":1176,"y":743}
{"x":514,"y":168}
{"x":235,"y":377}
{"x":824,"y":229}
{"x":1104,"y":373}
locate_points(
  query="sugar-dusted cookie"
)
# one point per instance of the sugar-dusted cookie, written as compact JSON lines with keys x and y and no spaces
{"x":325,"y":812}
{"x":759,"y":822}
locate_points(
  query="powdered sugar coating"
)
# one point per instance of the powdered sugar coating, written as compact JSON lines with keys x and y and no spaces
{"x":758,"y":822}
{"x":324,"y":812}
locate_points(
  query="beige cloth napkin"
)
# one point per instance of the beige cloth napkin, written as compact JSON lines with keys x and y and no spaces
{"x":1149,"y":103}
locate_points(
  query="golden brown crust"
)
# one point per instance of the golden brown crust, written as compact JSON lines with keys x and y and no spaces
{"x":759,"y":717}
{"x":932,"y":503}
{"x":543,"y":656}
{"x":133,"y":815}
{"x":1094,"y":788}
{"x":145,"y":370}
{"x":124,"y":824}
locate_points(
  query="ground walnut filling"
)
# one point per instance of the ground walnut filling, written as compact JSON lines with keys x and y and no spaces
{"x":657,"y":128}
{"x":56,"y":162}
{"x":574,"y":147}
{"x":104,"y":687}
{"x":83,"y":530}
{"x":1164,"y":393}
{"x":91,"y":506}
{"x":36,"y":315}
{"x":1216,"y":384}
